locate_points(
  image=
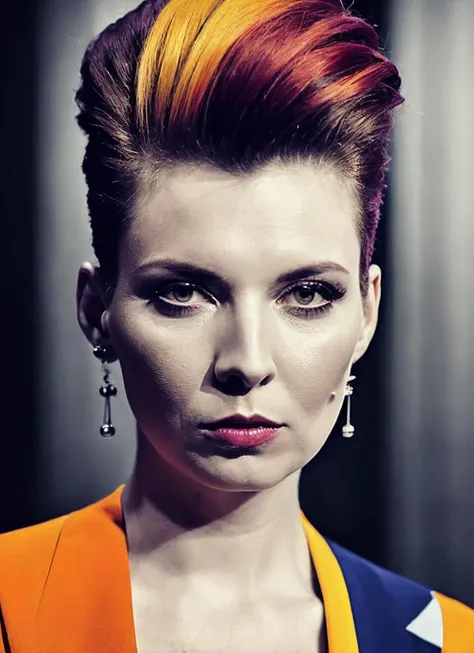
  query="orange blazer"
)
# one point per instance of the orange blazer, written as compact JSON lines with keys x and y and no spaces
{"x":65,"y":588}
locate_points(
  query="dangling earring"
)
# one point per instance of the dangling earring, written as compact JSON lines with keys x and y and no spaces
{"x":107,"y":430}
{"x":348,"y":429}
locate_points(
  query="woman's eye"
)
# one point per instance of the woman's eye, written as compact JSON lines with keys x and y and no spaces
{"x":308,"y":299}
{"x":181,"y":292}
{"x":305,"y":295}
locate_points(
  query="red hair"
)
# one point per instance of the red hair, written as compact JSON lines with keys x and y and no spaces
{"x":234,"y":83}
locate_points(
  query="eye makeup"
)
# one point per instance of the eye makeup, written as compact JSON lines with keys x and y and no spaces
{"x":155,"y":292}
{"x":331,"y":292}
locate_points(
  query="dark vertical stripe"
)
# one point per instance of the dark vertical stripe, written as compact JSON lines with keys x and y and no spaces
{"x":3,"y":630}
{"x":17,"y":280}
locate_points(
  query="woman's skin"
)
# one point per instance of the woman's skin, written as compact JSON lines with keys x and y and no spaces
{"x":220,"y":527}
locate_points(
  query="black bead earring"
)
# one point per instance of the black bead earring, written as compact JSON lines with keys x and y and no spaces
{"x":107,"y":430}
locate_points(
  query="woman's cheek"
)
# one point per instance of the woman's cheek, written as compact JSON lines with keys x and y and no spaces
{"x":317,"y":365}
{"x":157,"y":367}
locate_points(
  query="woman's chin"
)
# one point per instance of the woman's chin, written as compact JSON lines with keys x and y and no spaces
{"x":239,"y":471}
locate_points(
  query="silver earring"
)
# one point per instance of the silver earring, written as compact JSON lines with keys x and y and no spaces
{"x":348,"y":429}
{"x":107,"y":430}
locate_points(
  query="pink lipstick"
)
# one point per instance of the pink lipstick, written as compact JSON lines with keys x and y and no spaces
{"x":243,"y":431}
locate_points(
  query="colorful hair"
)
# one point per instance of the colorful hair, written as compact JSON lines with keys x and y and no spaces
{"x":237,"y":84}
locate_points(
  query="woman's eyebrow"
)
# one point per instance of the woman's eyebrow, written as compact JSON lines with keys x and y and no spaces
{"x":312,"y":270}
{"x":189,"y":269}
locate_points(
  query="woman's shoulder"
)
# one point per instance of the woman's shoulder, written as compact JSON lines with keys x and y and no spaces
{"x":99,"y":513}
{"x":30,"y":538}
{"x":36,"y":540}
{"x":27,"y":553}
{"x":423,"y":611}
{"x":54,"y":574}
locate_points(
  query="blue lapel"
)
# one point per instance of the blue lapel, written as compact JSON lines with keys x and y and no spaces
{"x":384,"y":604}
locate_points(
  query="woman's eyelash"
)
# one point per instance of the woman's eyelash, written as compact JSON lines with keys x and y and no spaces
{"x":329,"y":291}
{"x":190,"y":287}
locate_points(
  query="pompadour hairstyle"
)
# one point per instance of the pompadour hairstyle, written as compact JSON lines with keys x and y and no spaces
{"x":236,"y":84}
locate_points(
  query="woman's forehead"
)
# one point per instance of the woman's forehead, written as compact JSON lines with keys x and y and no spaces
{"x":274,"y":210}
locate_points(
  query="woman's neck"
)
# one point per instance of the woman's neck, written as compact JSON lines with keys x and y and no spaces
{"x":195,"y":536}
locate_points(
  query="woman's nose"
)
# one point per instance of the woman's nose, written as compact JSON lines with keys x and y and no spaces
{"x":244,"y":354}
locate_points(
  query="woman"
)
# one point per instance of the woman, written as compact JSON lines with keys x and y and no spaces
{"x":235,"y":162}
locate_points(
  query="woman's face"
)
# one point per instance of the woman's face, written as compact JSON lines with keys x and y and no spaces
{"x":238,"y":337}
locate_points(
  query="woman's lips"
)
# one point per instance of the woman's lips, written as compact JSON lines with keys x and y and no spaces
{"x":244,"y":436}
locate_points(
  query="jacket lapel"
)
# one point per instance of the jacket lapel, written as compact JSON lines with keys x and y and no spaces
{"x":391,"y":613}
{"x":85,"y":605}
{"x":340,"y":624}
{"x":86,"y":590}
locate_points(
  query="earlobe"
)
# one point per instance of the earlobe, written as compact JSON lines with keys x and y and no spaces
{"x":362,"y":343}
{"x":104,"y":323}
{"x":91,"y":311}
{"x":360,"y":350}
{"x":370,"y":312}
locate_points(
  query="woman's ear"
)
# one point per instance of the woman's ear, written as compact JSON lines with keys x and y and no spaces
{"x":91,"y":305}
{"x":371,"y":312}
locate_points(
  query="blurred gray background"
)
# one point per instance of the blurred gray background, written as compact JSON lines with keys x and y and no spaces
{"x":401,"y":493}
